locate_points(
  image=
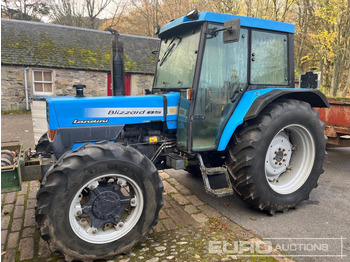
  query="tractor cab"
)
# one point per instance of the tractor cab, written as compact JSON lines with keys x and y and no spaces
{"x":212,"y":60}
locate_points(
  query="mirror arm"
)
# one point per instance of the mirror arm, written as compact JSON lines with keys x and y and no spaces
{"x":214,"y":31}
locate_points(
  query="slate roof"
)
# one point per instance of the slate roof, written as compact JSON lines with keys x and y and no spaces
{"x":48,"y":45}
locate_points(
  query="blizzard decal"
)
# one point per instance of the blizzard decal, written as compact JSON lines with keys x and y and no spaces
{"x":130,"y":112}
{"x":135,"y":112}
{"x":93,"y":121}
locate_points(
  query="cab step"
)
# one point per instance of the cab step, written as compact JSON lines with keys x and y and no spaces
{"x":215,"y":171}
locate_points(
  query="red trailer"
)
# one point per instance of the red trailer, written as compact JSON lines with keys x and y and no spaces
{"x":337,"y":120}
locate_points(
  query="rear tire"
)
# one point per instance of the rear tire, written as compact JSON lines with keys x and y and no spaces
{"x":98,"y":201}
{"x":276,"y":159}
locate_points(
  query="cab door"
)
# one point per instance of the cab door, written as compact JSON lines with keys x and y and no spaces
{"x":223,"y":77}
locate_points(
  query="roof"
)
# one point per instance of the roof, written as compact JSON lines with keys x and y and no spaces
{"x":47,"y":45}
{"x":221,"y":18}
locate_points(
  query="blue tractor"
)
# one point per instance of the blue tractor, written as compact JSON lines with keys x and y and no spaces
{"x":223,"y":105}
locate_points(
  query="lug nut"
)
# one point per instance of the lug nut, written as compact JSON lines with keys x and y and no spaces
{"x":285,"y":154}
{"x":121,"y":224}
{"x":79,"y":213}
{"x":274,"y":158}
{"x":119,"y":182}
{"x":276,"y":163}
{"x":283,"y":150}
{"x":92,"y":187}
{"x":82,"y":220}
{"x":132,"y":201}
{"x":280,"y":164}
{"x":94,"y":231}
{"x":116,"y":220}
{"x":276,"y":152}
{"x":284,"y":160}
{"x":86,"y":210}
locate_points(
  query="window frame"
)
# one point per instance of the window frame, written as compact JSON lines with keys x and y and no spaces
{"x":42,"y":93}
{"x":289,"y":66}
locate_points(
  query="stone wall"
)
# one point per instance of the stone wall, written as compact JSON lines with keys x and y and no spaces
{"x":139,"y":82}
{"x":13,"y":90}
{"x":96,"y":82}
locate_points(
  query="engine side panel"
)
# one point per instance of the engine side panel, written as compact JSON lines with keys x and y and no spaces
{"x":91,"y":119}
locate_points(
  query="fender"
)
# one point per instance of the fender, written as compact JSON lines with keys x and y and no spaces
{"x":253,"y":102}
{"x":314,"y":97}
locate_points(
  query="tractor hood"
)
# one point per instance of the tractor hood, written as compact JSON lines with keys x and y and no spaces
{"x":74,"y":121}
{"x":70,"y":112}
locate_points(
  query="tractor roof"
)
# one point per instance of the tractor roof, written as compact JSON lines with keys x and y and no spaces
{"x":221,"y":18}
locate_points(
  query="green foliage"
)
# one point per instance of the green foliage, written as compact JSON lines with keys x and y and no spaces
{"x":15,"y":112}
{"x":129,"y":65}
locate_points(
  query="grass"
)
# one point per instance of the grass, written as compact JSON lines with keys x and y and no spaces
{"x":15,"y":112}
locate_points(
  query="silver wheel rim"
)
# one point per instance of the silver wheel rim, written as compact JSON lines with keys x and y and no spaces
{"x":81,"y":218}
{"x":289,"y":159}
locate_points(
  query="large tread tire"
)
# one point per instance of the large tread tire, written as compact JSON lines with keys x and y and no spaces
{"x":43,"y":146}
{"x":72,"y":171}
{"x":248,"y":148}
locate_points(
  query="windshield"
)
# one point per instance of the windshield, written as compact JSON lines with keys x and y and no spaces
{"x":177,"y":60}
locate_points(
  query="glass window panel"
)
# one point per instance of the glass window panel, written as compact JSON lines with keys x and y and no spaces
{"x":178,"y":56}
{"x":224,"y":72}
{"x":47,"y":76}
{"x":182,"y":121}
{"x":269,"y":58}
{"x":47,"y":87}
{"x":38,"y":87}
{"x":38,"y":76}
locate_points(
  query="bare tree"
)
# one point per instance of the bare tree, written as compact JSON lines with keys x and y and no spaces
{"x":32,"y":10}
{"x":84,"y":13}
{"x":94,"y":9}
{"x":66,"y":12}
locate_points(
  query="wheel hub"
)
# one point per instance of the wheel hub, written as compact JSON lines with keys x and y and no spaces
{"x":278,"y":156}
{"x":106,"y":205}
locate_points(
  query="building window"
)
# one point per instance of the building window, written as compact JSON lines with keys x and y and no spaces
{"x":42,"y":83}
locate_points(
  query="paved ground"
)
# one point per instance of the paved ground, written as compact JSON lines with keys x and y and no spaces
{"x":186,"y":226}
{"x":325,"y":215}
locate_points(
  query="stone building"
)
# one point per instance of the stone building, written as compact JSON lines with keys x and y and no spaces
{"x":48,"y":60}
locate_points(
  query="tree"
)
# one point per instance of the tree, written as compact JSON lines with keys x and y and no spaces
{"x":84,"y":13}
{"x":30,"y":10}
{"x":66,"y":12}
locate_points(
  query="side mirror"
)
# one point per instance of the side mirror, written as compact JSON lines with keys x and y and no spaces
{"x":232,"y":29}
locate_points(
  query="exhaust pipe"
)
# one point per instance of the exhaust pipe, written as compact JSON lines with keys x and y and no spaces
{"x":117,"y":64}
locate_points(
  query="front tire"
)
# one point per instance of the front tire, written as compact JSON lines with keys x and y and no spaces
{"x":43,"y":146}
{"x":98,"y":201}
{"x":276,"y":159}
